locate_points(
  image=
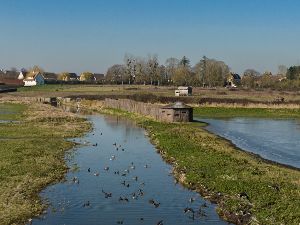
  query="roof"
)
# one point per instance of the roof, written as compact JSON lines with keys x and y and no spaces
{"x":98,"y":76}
{"x":236,"y":76}
{"x":31,"y":76}
{"x":73,"y":75}
{"x":184,"y":87}
{"x":50,"y":76}
{"x":9,"y":74}
{"x":176,"y":105}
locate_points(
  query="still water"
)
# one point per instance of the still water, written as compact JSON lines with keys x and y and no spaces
{"x":276,"y":140}
{"x":121,"y":180}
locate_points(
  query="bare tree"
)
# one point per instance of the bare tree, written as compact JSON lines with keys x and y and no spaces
{"x":282,"y":70}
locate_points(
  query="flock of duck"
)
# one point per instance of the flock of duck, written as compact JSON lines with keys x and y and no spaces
{"x":127,"y":180}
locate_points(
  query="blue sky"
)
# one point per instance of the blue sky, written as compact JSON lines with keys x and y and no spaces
{"x":80,"y":35}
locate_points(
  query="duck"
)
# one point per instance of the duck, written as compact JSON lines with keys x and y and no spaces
{"x":160,"y":222}
{"x":86,"y":204}
{"x":89,"y":170}
{"x":106,"y":168}
{"x":192,"y":200}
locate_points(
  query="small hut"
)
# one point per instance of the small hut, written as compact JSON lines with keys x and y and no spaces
{"x":183,"y":91}
{"x":177,"y":112}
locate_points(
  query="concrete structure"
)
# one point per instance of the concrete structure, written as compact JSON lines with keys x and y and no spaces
{"x":178,"y":112}
{"x":183,"y":91}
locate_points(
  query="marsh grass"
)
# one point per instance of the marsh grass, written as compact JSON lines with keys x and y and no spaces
{"x":247,"y":189}
{"x":229,"y":112}
{"x":31,"y":157}
{"x":10,"y":111}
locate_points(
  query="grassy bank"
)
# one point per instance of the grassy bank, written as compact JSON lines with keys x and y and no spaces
{"x":226,"y":112}
{"x":32,"y":156}
{"x":246,"y":188}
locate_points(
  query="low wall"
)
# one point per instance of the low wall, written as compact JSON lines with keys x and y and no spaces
{"x":146,"y":109}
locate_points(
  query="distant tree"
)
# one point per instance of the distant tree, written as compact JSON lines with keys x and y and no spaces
{"x":116,"y":74}
{"x":293,"y":73}
{"x":282,"y":69}
{"x":171,"y":66}
{"x":251,"y":72}
{"x":130,"y":63}
{"x":250,"y":78}
{"x":86,"y":76}
{"x":211,"y":72}
{"x":185,"y":62}
{"x":64,"y":76}
{"x":153,"y":69}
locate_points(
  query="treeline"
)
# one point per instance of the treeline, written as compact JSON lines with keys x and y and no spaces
{"x":136,"y":70}
{"x":206,"y":72}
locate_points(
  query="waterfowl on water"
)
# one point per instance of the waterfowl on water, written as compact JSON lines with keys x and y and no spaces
{"x":89,"y":170}
{"x":86,"y":204}
{"x":156,"y":204}
{"x":106,"y":168}
{"x":107,"y":194}
{"x":160,"y":222}
{"x":123,"y":199}
{"x":192,"y":199}
{"x":120,"y":222}
{"x":96,"y":174}
{"x":187,"y":209}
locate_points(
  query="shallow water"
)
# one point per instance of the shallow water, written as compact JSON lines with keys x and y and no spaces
{"x":276,"y":140}
{"x":81,"y":200}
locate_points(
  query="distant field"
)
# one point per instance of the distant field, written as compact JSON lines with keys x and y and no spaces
{"x":218,"y":93}
{"x":223,"y":112}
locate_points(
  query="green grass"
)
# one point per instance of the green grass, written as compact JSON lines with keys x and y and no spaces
{"x":221,"y":172}
{"x":222,"y":112}
{"x":10,"y":111}
{"x":31,"y":157}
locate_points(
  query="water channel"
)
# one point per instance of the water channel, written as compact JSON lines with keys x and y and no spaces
{"x":121,"y":180}
{"x":276,"y":140}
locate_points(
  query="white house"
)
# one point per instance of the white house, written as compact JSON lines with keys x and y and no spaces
{"x":33,"y":80}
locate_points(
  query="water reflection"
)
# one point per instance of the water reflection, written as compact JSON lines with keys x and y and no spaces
{"x":276,"y":140}
{"x":122,"y":180}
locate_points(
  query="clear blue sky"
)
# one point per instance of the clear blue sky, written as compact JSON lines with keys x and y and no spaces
{"x":79,"y":35}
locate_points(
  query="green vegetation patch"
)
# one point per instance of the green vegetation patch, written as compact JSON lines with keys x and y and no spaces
{"x":246,"y":188}
{"x":31,"y":157}
{"x":223,"y":112}
{"x":11,"y":111}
